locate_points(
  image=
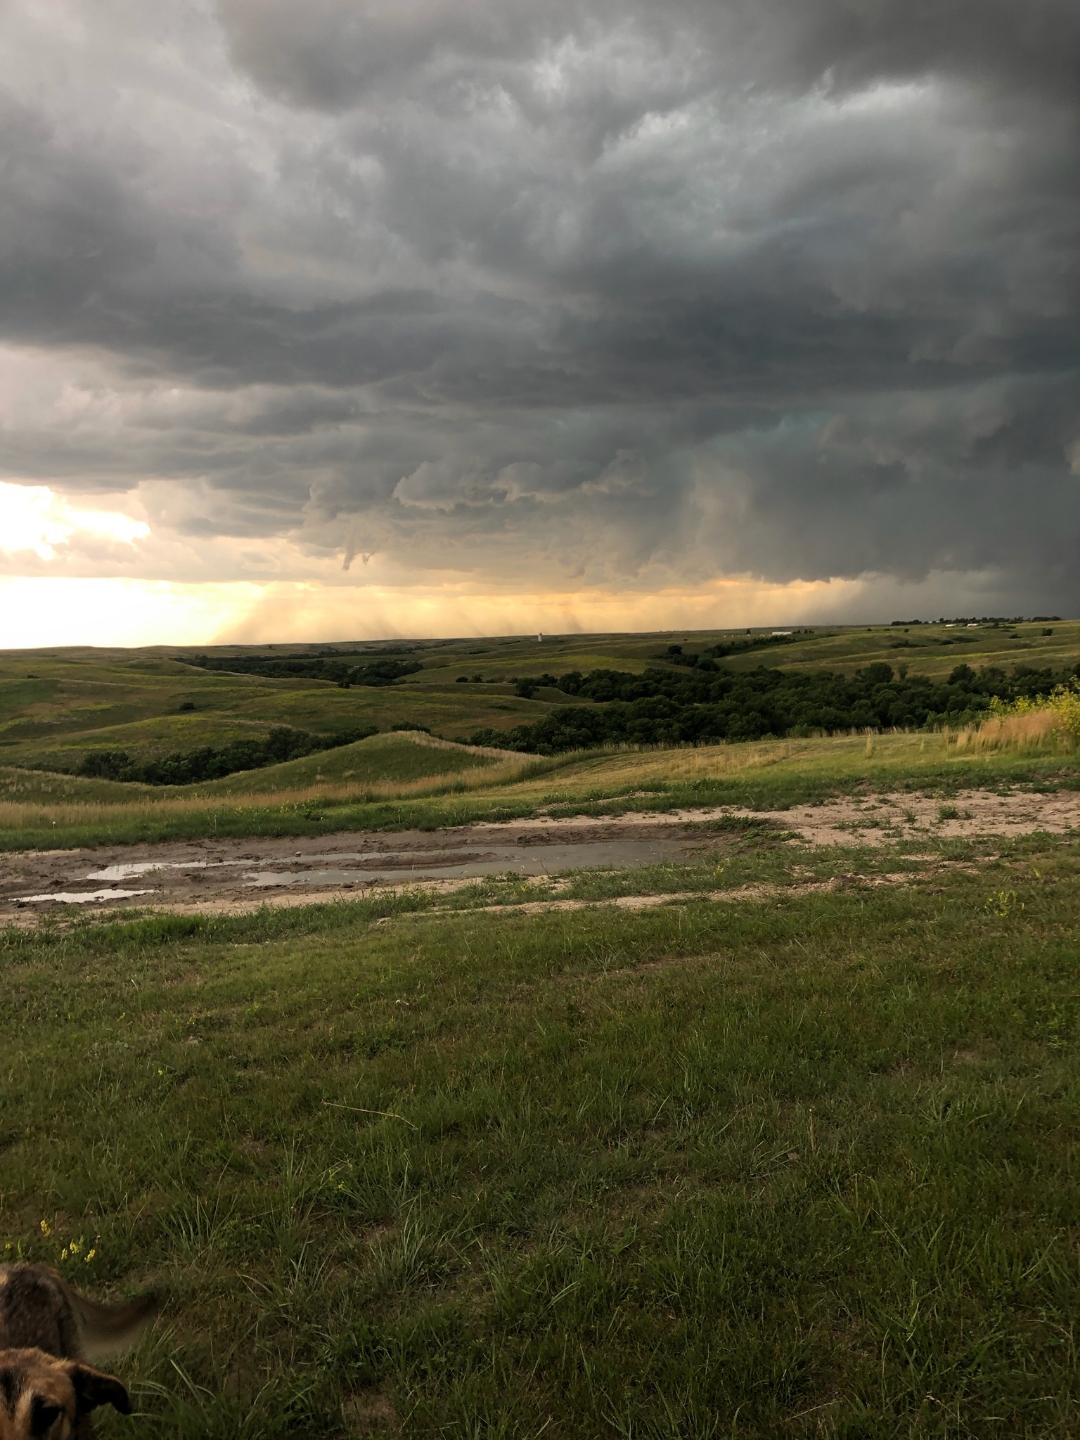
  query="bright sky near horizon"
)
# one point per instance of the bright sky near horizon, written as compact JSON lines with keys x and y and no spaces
{"x":442,"y":317}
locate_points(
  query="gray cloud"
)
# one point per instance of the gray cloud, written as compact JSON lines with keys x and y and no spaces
{"x":581,"y":291}
{"x":329,"y":54}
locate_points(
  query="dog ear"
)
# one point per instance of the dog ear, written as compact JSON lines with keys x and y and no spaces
{"x":94,"y":1388}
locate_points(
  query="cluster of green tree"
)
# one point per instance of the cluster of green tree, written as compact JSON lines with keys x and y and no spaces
{"x":337,"y":666}
{"x":673,"y":655}
{"x":705,"y":660}
{"x":983,"y":620}
{"x":703,"y":706}
{"x":528,"y":685}
{"x":192,"y":767}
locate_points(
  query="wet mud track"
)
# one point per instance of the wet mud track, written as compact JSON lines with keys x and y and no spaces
{"x":228,"y":876}
{"x":231,"y":875}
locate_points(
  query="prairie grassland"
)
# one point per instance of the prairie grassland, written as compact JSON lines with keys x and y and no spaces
{"x":397,"y":758}
{"x":804,"y":1168}
{"x":760,"y":774}
{"x":53,"y":708}
{"x":46,"y":787}
{"x":1047,"y":725}
{"x":55,"y":704}
{"x":926,"y":649}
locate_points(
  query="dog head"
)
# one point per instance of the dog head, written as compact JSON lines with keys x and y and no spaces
{"x":42,"y":1398}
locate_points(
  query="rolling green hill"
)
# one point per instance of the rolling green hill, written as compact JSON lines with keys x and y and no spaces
{"x":58,"y":705}
{"x":398,"y":756}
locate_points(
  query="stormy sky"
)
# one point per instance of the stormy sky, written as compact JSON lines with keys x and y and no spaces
{"x":568,"y":299}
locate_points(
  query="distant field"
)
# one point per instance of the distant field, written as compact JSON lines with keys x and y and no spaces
{"x":117,"y":704}
{"x":55,"y":705}
{"x":928,"y":649}
{"x":58,"y":706}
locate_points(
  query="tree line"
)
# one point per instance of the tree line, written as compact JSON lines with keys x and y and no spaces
{"x":705,"y":704}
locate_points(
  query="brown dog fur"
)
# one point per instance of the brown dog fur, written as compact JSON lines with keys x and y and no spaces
{"x":47,"y":1390}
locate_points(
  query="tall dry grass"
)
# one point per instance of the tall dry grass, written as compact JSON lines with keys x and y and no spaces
{"x":1034,"y":732}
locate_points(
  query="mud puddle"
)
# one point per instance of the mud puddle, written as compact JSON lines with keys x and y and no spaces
{"x":240,"y":875}
{"x":82,"y":897}
{"x":501,"y":860}
{"x":218,"y":876}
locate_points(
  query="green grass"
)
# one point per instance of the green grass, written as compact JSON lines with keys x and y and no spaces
{"x":44,"y":787}
{"x":760,"y":775}
{"x":800,"y":1168}
{"x":114,"y":700}
{"x":56,"y":704}
{"x":381,"y":759}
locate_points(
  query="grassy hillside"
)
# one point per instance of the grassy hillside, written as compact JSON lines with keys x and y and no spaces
{"x":55,"y":705}
{"x":395,"y":758}
{"x":42,"y":787}
{"x":115,"y":702}
{"x":765,"y":774}
{"x":803,"y":1168}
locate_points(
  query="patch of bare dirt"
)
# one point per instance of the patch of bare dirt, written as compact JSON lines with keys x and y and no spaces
{"x":740,"y":892}
{"x":882,"y":819}
{"x":370,"y":1413}
{"x":234,"y":876}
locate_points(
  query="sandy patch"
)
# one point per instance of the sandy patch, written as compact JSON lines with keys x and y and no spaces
{"x":880,"y":819}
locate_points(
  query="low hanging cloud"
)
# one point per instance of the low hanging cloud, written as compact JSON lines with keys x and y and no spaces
{"x":567,"y":296}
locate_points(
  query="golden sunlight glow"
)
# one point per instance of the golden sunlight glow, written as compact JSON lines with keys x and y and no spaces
{"x":46,"y":611}
{"x":34,"y":518}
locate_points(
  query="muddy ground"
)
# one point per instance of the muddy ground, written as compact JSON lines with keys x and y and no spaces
{"x":234,"y":875}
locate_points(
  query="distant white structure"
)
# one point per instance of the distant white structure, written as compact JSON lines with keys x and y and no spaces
{"x":783,"y":632}
{"x":540,"y":636}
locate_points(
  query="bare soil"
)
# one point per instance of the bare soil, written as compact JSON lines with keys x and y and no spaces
{"x":229,"y":876}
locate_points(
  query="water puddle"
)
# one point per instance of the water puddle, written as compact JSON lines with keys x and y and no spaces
{"x":131,"y":869}
{"x":423,"y":860}
{"x":82,"y":897}
{"x":499,"y":860}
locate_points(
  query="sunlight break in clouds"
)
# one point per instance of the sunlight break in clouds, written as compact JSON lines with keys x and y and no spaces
{"x":42,"y":612}
{"x":35,"y":519}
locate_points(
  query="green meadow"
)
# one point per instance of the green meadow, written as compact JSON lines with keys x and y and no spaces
{"x":398,"y":781}
{"x":802,"y":1165}
{"x":57,"y":707}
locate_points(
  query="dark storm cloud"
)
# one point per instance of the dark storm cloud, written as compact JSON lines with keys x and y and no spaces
{"x":785,"y":287}
{"x":329,"y":53}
